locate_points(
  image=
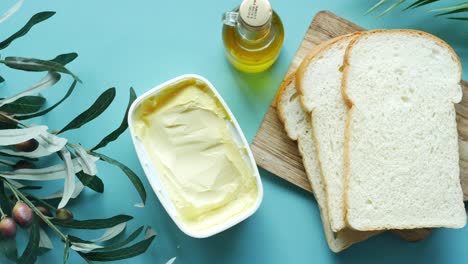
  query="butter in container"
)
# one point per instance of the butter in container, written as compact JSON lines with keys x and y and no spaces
{"x":195,"y":156}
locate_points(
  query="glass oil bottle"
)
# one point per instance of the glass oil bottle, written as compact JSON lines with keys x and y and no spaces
{"x":253,"y":35}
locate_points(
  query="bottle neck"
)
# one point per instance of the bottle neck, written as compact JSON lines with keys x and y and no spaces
{"x":253,"y":34}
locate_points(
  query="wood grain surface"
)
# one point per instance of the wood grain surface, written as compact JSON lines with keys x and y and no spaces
{"x":278,"y":154}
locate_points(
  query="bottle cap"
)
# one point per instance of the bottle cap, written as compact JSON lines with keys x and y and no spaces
{"x":255,"y":13}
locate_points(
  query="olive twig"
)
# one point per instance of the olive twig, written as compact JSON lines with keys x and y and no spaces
{"x":14,"y":193}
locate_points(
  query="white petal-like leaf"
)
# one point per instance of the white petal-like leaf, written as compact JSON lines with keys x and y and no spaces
{"x":49,"y":80}
{"x":149,"y":233}
{"x":111,"y":233}
{"x":53,"y":143}
{"x":69,"y":185}
{"x":37,"y":153}
{"x":15,"y":136}
{"x":11,"y":11}
{"x":44,"y":240}
{"x":84,"y":247}
{"x":171,"y":261}
{"x":78,"y":189}
{"x":6,"y":162}
{"x":18,"y":185}
{"x":54,"y":172}
{"x":139,"y":205}
{"x":48,"y":144}
{"x":87,"y":161}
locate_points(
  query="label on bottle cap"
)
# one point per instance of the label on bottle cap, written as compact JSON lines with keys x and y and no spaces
{"x":255,"y":13}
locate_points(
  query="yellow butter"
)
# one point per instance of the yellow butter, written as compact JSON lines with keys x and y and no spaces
{"x":189,"y":138}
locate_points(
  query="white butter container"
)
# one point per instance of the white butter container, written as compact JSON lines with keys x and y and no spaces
{"x":154,"y":178}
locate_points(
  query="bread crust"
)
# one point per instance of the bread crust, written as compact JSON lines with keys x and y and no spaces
{"x":279,"y":109}
{"x":363,"y":34}
{"x":311,"y":57}
{"x":350,"y":104}
{"x":330,"y":236}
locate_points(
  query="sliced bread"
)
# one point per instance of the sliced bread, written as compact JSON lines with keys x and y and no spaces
{"x":401,"y":146}
{"x":319,"y":83}
{"x":298,"y":127}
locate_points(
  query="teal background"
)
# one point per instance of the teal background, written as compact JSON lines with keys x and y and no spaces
{"x":143,"y":43}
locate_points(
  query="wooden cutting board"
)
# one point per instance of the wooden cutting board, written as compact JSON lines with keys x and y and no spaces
{"x":276,"y":153}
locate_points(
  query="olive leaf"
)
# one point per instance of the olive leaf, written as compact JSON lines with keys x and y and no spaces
{"x":6,"y":163}
{"x":116,"y":245}
{"x":36,"y":65}
{"x":453,"y":9}
{"x":93,"y":182}
{"x":58,"y":194}
{"x":43,"y":112}
{"x":37,"y":18}
{"x":149,"y":232}
{"x":54,"y":172}
{"x":98,"y":107}
{"x":420,"y":3}
{"x":4,"y":200}
{"x":44,"y":240}
{"x":30,"y":187}
{"x":66,"y":58}
{"x":16,"y":184}
{"x":69,"y":184}
{"x":377,"y":5}
{"x":7,"y":125}
{"x":171,"y":261}
{"x":87,"y":161}
{"x":111,"y":233}
{"x":128,"y":240}
{"x":48,"y":144}
{"x":8,"y":248}
{"x":15,"y":136}
{"x":31,"y":251}
{"x":390,"y":8}
{"x":123,"y":126}
{"x":92,"y":223}
{"x":81,"y":245}
{"x":51,"y":143}
{"x":123,"y":253}
{"x":2,"y":153}
{"x":130,"y":174}
{"x":66,"y":251}
{"x":45,"y":244}
{"x":24,"y":105}
{"x":11,"y":11}
{"x":49,"y":80}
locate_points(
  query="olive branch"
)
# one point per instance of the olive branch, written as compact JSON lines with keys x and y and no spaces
{"x":25,"y":148}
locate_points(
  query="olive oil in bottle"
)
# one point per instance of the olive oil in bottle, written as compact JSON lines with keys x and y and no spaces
{"x":253,"y":35}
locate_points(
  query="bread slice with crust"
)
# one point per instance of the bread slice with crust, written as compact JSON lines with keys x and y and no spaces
{"x":298,"y":127}
{"x":319,"y":83}
{"x":401,"y":146}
